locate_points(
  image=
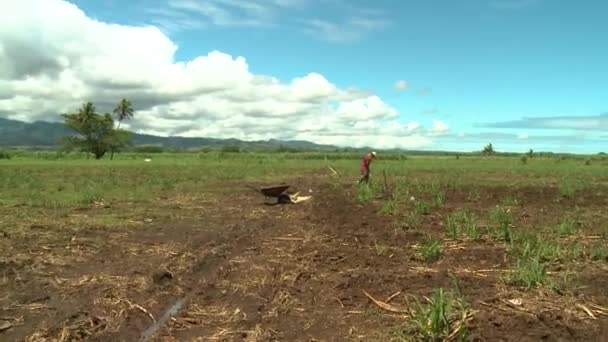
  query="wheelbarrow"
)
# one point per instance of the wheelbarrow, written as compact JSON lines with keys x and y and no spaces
{"x":278,"y":192}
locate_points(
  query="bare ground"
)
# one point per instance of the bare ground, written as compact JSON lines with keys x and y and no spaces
{"x":245,"y":271}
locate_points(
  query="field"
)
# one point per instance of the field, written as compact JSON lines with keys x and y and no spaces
{"x":180,"y":248}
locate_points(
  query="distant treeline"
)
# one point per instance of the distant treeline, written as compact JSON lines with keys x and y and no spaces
{"x":140,"y":151}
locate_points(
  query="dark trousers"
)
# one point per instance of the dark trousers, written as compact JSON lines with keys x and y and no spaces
{"x":364,"y":176}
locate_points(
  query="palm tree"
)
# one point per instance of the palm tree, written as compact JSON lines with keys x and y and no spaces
{"x":123,"y":111}
{"x":87,"y":112}
{"x":488,"y":149}
{"x":86,"y":115}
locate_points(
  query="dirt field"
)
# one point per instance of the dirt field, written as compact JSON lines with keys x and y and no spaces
{"x":230,"y":268}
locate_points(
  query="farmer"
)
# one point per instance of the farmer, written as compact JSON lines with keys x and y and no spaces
{"x":365,"y":164}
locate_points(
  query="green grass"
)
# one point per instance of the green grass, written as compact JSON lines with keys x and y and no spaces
{"x":52,"y":181}
{"x":599,"y":252}
{"x":566,"y":227}
{"x":445,"y":314}
{"x":569,"y":186}
{"x":529,"y":272}
{"x":431,"y":250}
{"x":462,"y":223}
{"x":389,"y":207}
{"x":422,"y":207}
{"x":365,"y":193}
{"x":502,"y":221}
{"x":439,"y":198}
{"x":536,"y":246}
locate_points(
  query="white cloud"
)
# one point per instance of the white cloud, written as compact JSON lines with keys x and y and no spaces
{"x":439,"y":128}
{"x":54,"y":58}
{"x":401,"y":85}
{"x":356,"y":22}
{"x":522,"y":136}
{"x":350,"y":30}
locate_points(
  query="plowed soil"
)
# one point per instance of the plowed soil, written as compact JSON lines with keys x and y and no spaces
{"x":239,"y":270}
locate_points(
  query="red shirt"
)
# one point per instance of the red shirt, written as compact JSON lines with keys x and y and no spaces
{"x":366,"y":161}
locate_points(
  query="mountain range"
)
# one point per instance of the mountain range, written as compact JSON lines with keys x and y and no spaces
{"x":43,"y":134}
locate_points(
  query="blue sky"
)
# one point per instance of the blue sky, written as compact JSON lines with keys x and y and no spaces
{"x":519,"y":73}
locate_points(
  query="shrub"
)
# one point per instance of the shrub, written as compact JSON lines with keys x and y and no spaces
{"x":148,"y":149}
{"x":231,"y":149}
{"x":4,"y":155}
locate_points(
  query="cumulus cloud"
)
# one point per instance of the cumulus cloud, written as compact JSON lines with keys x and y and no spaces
{"x":401,"y":85}
{"x":54,"y":58}
{"x":522,"y":136}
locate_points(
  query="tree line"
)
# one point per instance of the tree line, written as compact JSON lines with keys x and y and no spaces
{"x":98,"y":133}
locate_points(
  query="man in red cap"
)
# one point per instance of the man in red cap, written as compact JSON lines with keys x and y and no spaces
{"x":365,"y":164}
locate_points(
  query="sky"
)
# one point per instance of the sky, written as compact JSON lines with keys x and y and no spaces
{"x":424,"y":75}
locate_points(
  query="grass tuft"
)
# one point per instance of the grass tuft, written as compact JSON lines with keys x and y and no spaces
{"x":567,"y":227}
{"x":502,"y":220}
{"x":365,"y":193}
{"x":529,"y":272}
{"x":431,"y":250}
{"x":599,"y":252}
{"x":423,"y":207}
{"x":444,"y":317}
{"x":462,"y":223}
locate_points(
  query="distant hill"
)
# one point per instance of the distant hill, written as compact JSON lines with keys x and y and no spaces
{"x":46,"y":134}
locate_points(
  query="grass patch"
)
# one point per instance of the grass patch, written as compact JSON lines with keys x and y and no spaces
{"x":574,"y":251}
{"x":444,"y":316}
{"x":502,"y":221}
{"x":568,"y":187}
{"x":599,"y":252}
{"x":567,"y":227}
{"x":389,"y":207}
{"x":462,"y":223}
{"x":431,"y":250}
{"x":439,"y":198}
{"x":365,"y":193}
{"x":422,"y":207}
{"x":529,"y":272}
{"x":534,"y":246}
